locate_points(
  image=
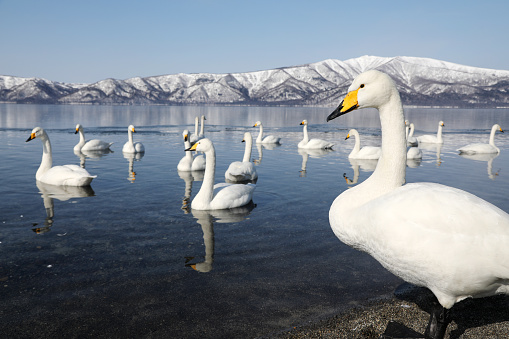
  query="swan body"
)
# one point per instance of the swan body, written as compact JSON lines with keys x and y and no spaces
{"x":483,"y":148}
{"x":188,"y":162}
{"x":433,"y":139}
{"x":313,"y":143}
{"x":367,"y":152}
{"x":269,"y":139}
{"x":411,"y":140}
{"x":130,"y":146}
{"x":243,"y":170}
{"x":90,"y":145}
{"x":219,"y":196}
{"x":66,"y":175}
{"x":431,"y":235}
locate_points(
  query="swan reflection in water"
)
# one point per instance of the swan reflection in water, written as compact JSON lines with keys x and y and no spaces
{"x":313,"y":153}
{"x":488,"y":157}
{"x":131,"y":157}
{"x":188,"y":178}
{"x":83,"y":155}
{"x":62,"y":193}
{"x":260,"y":148}
{"x":437,"y":148}
{"x":366,"y":165}
{"x":206,"y":219}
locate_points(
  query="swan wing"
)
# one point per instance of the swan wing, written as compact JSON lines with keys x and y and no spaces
{"x":231,"y":195}
{"x":270,"y":139}
{"x":198,"y":163}
{"x":369,"y":152}
{"x":241,"y":171}
{"x":477,"y":148}
{"x":67,"y":175}
{"x":316,"y":143}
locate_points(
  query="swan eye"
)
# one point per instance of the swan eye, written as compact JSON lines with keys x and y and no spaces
{"x":362,"y":86}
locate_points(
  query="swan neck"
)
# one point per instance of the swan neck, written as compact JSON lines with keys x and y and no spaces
{"x":391,"y":168}
{"x":305,"y":130}
{"x":130,"y":136}
{"x":82,"y":136}
{"x":206,"y":192}
{"x":187,"y":144}
{"x":196,"y":126}
{"x":247,"y":150}
{"x":357,"y":146}
{"x":439,"y":133}
{"x":260,"y":135}
{"x":492,"y":135}
{"x":47,"y":158}
{"x":202,"y":127}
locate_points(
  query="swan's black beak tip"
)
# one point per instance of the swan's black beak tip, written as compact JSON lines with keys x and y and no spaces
{"x":336,"y":113}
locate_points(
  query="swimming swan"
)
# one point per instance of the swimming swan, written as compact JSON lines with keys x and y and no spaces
{"x":483,"y":148}
{"x":433,"y":139}
{"x":130,"y":146}
{"x":243,"y":170}
{"x":313,"y":143}
{"x":269,"y":139}
{"x":188,"y":162}
{"x":219,"y":196}
{"x":367,"y":152}
{"x":431,"y":235}
{"x":66,"y":175}
{"x":90,"y":145}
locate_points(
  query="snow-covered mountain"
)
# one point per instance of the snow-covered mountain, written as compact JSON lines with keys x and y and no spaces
{"x":421,"y":81}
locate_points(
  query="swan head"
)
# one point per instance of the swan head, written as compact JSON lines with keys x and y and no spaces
{"x":202,"y":145}
{"x":352,"y":131}
{"x":258,"y":123}
{"x":131,"y":128}
{"x":304,"y":122}
{"x":203,"y":117}
{"x":497,"y":126}
{"x":37,"y":132}
{"x":441,"y":123}
{"x":369,"y":89}
{"x":78,"y":128}
{"x":185,"y":135}
{"x":247,"y":136}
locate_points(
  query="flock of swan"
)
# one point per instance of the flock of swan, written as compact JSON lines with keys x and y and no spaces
{"x":431,"y":235}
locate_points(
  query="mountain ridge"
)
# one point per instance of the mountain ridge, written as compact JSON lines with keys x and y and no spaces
{"x":421,"y":82}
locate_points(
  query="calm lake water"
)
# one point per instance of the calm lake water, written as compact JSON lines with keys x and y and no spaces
{"x":116,"y":260}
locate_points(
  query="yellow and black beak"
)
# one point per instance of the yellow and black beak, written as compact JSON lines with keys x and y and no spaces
{"x":134,"y":131}
{"x":347,"y":136}
{"x":77,"y":130}
{"x":255,"y":125}
{"x":192,"y":148}
{"x":501,"y":130}
{"x":186,"y":137}
{"x":348,"y":104}
{"x":32,"y":137}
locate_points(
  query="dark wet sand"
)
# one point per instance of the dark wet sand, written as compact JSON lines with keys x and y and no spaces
{"x":472,"y":318}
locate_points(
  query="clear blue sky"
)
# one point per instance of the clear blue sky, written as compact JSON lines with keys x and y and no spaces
{"x":87,"y":41}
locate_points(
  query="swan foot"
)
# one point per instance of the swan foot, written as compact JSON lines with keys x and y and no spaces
{"x":438,"y":321}
{"x":395,"y":330}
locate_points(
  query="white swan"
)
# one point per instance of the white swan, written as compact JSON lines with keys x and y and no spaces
{"x":219,"y":196}
{"x":188,"y":162}
{"x":66,"y":175}
{"x":269,"y":139}
{"x":313,"y":143}
{"x":433,"y":139}
{"x":243,"y":170}
{"x":367,"y":152}
{"x":483,"y":148}
{"x":431,"y":235}
{"x":411,"y":140}
{"x":90,"y":145}
{"x":130,"y":146}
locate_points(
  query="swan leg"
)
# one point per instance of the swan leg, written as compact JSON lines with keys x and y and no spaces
{"x":439,"y":319}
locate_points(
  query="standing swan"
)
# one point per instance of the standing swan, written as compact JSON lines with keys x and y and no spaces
{"x":66,"y":175}
{"x":188,"y":162}
{"x":220,"y":196}
{"x":313,"y":143}
{"x":367,"y":152}
{"x":483,"y":148}
{"x":130,"y":146}
{"x":433,"y":139}
{"x":431,"y":235}
{"x":269,"y":139}
{"x":90,"y":145}
{"x":243,"y":170}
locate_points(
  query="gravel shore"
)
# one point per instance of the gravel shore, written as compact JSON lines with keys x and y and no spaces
{"x":471,"y":318}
